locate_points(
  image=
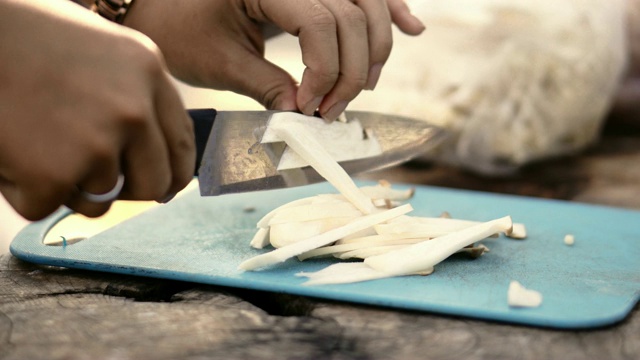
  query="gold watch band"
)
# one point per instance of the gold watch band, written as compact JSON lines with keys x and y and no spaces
{"x":113,"y":10}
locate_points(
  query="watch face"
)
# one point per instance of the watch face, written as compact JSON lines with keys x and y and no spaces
{"x":113,"y":10}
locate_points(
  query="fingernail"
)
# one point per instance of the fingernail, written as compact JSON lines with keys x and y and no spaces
{"x":168,"y":198}
{"x":420,"y":25}
{"x":335,"y":111}
{"x":311,"y":106}
{"x":374,"y":76}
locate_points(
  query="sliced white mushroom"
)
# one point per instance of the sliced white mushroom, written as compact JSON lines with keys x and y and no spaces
{"x":411,"y":259}
{"x":260,"y":239}
{"x":364,"y":253}
{"x":341,"y":248}
{"x":286,"y":126}
{"x":315,"y":211}
{"x":346,"y":140}
{"x":350,"y":272}
{"x":264,"y":222}
{"x":519,"y":231}
{"x":353,"y":224}
{"x":519,"y":296}
{"x":427,"y":230}
{"x":438,"y":225}
{"x":387,"y":238}
{"x":427,"y":254}
{"x":569,"y":239}
{"x":284,"y":234}
{"x":342,"y":273}
{"x":297,"y":248}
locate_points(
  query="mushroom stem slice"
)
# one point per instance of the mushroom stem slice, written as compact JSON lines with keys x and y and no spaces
{"x":260,"y":239}
{"x":297,"y":248}
{"x":424,"y":255}
{"x":298,"y":137}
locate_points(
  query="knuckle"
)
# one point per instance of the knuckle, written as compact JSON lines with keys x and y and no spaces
{"x":132,"y":115}
{"x":358,"y":81}
{"x":271,"y":96}
{"x":146,"y":55}
{"x":354,"y":15}
{"x":384,"y":47}
{"x":183,"y":177}
{"x":185,"y":147}
{"x":185,"y":144}
{"x":151,"y":63}
{"x":321,"y":19}
{"x":147,"y":190}
{"x":351,"y":85}
{"x":57,"y":182}
{"x":100,"y":150}
{"x":325,"y":76}
{"x":328,"y":74}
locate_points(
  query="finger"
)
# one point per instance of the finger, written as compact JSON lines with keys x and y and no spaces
{"x":31,"y":201}
{"x":380,"y":37}
{"x":263,"y":81}
{"x":270,"y":85}
{"x":178,"y":134}
{"x":40,"y":190}
{"x":402,"y":17}
{"x":97,"y":173}
{"x":316,"y":29}
{"x":103,"y":179}
{"x":145,"y":160}
{"x":353,"y":47}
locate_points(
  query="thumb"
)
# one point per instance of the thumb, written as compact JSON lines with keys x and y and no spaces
{"x":266,"y":83}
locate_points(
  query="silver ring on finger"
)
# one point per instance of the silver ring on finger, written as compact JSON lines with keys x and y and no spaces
{"x":105,"y":197}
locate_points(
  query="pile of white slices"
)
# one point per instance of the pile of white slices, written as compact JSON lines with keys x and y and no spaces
{"x":369,"y":223}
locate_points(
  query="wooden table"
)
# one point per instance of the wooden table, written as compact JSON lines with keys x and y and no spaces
{"x":53,"y":313}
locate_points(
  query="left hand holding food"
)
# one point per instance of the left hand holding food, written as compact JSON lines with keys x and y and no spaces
{"x":220,"y":44}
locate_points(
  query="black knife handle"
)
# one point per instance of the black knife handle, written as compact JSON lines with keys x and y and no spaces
{"x":202,"y":124}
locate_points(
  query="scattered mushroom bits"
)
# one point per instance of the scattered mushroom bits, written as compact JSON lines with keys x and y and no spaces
{"x":569,"y":239}
{"x":519,"y":296}
{"x":368,"y":223}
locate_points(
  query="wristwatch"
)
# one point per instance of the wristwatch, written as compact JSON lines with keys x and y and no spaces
{"x":114,"y":10}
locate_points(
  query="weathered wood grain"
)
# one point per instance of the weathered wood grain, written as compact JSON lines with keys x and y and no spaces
{"x":53,"y":313}
{"x":48,"y":313}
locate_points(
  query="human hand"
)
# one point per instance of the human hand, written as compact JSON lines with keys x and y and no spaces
{"x":83,"y":101}
{"x":219,"y":44}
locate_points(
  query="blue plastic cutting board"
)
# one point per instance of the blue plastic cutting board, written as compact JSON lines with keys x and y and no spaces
{"x":594,"y":283}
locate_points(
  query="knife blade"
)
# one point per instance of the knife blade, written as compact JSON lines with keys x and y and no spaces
{"x":231,"y":159}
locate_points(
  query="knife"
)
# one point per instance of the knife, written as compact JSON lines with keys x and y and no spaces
{"x":231,"y":159}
